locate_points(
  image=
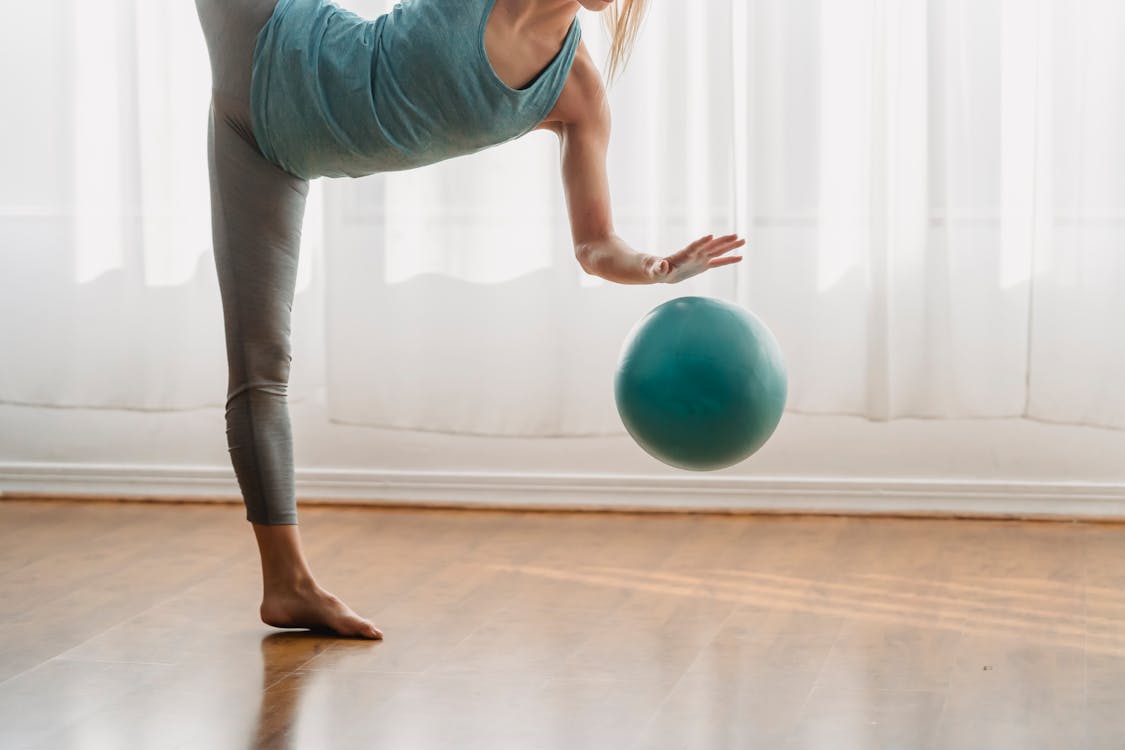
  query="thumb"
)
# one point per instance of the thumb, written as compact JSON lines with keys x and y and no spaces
{"x":659,"y":267}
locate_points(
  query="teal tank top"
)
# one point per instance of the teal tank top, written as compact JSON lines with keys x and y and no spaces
{"x":333,"y":94}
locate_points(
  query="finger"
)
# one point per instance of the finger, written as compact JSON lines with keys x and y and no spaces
{"x":726,"y":247}
{"x":724,"y":238}
{"x":724,"y":261}
{"x":699,"y":243}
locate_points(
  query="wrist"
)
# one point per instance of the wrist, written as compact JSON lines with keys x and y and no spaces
{"x":613,"y":260}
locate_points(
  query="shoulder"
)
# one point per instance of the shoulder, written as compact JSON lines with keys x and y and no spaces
{"x":582,"y":103}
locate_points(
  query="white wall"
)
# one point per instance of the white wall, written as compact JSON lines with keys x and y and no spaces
{"x":825,"y":463}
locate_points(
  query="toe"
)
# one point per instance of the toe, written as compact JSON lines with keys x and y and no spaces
{"x":356,"y":626}
{"x":364,"y":629}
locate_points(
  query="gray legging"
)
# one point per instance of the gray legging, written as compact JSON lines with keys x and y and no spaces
{"x":256,"y":214}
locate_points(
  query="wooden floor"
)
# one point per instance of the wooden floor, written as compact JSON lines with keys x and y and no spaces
{"x":134,"y":626}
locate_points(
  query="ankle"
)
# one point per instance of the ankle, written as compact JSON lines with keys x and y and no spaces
{"x":299,"y":580}
{"x":284,"y":567}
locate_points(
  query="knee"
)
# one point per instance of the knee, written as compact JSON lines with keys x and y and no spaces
{"x":262,"y":366}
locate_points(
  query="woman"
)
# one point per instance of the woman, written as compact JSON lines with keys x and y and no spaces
{"x":304,"y":89}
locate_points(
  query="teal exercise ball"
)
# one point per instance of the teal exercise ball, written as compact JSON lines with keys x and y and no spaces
{"x":700,"y":383}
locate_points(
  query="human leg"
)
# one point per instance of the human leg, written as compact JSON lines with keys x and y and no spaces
{"x":257,"y":210}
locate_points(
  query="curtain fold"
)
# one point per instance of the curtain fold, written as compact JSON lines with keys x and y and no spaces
{"x":933,"y":192}
{"x":108,"y":289}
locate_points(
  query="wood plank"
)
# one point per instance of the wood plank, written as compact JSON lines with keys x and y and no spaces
{"x":131,"y":625}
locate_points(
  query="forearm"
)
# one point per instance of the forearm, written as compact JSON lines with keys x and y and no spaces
{"x":613,"y":260}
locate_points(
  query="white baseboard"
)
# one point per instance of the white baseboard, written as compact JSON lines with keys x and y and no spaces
{"x":697,"y":492}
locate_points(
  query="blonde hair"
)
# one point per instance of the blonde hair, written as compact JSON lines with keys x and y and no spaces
{"x":623,"y":21}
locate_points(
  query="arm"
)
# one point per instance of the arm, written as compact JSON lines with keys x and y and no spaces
{"x":599,"y":250}
{"x":584,"y":143}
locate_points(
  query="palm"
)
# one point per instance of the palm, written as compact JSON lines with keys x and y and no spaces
{"x":702,"y":255}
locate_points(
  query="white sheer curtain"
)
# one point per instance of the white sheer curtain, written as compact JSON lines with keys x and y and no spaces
{"x":107,"y":286}
{"x":932,"y":192}
{"x":934,"y":195}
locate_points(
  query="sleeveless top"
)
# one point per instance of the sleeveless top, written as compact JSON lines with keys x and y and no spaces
{"x":333,"y":94}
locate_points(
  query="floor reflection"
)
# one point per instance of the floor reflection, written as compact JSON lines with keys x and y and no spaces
{"x":284,"y":684}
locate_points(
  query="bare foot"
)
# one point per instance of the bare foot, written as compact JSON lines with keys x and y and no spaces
{"x":310,"y":606}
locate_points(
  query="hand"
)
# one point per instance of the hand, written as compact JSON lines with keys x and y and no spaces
{"x":699,"y":256}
